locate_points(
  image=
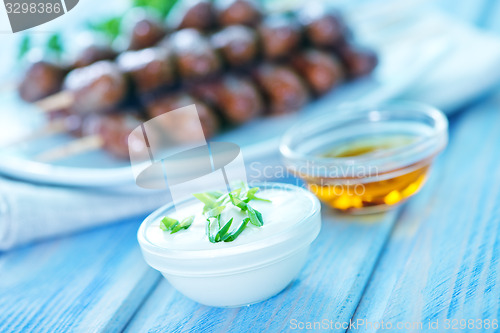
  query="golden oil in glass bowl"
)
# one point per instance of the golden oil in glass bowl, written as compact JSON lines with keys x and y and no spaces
{"x":356,"y":194}
{"x":365,"y":159}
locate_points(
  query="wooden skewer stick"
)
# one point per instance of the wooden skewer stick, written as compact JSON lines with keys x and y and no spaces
{"x":56,"y":102}
{"x":76,"y":147}
{"x":52,"y":128}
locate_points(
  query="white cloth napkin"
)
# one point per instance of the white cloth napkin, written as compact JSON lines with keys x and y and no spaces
{"x":31,"y":212}
{"x":467,"y":69}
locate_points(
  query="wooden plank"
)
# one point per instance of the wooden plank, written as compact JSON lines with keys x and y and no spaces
{"x":92,"y":282}
{"x":330,"y":285}
{"x":442,"y":260}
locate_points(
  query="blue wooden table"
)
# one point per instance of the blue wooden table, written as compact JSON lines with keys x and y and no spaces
{"x":430,"y":265}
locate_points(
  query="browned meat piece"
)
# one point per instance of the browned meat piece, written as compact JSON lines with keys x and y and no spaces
{"x":180,"y":128}
{"x":144,"y":29}
{"x":150,"y":69}
{"x":283,"y":87}
{"x":237,"y":44}
{"x":197,"y":14}
{"x":42,"y":79}
{"x":195,"y":57}
{"x":323,"y":28}
{"x":96,"y":88}
{"x":207,"y":91}
{"x":280,"y":35}
{"x":72,"y":123}
{"x":94,"y":53}
{"x":114,"y":130}
{"x":321,"y":70}
{"x":358,"y":61}
{"x":237,"y":98}
{"x":230,"y":12}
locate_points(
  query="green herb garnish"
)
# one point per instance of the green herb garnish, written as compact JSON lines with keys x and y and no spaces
{"x":255,"y":217}
{"x":223,"y":233}
{"x":251,"y":195}
{"x":173,"y":225}
{"x":238,"y":231}
{"x":24,"y":46}
{"x":210,"y":199}
{"x":55,"y":45}
{"x":238,"y":202}
{"x":212,"y":228}
{"x":110,"y":27}
{"x":216,"y":203}
{"x":214,"y":212}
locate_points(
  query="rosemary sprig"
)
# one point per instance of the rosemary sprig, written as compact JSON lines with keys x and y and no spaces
{"x":251,"y":195}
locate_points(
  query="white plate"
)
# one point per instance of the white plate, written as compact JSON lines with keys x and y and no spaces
{"x":403,"y":67}
{"x":98,"y":169}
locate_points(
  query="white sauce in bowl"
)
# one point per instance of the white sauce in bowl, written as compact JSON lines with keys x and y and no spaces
{"x":285,"y":209}
{"x":262,"y":259}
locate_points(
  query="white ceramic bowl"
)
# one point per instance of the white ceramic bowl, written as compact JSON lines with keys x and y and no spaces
{"x":232,"y":274}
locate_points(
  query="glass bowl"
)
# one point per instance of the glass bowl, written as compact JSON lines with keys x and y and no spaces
{"x":364,"y":159}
